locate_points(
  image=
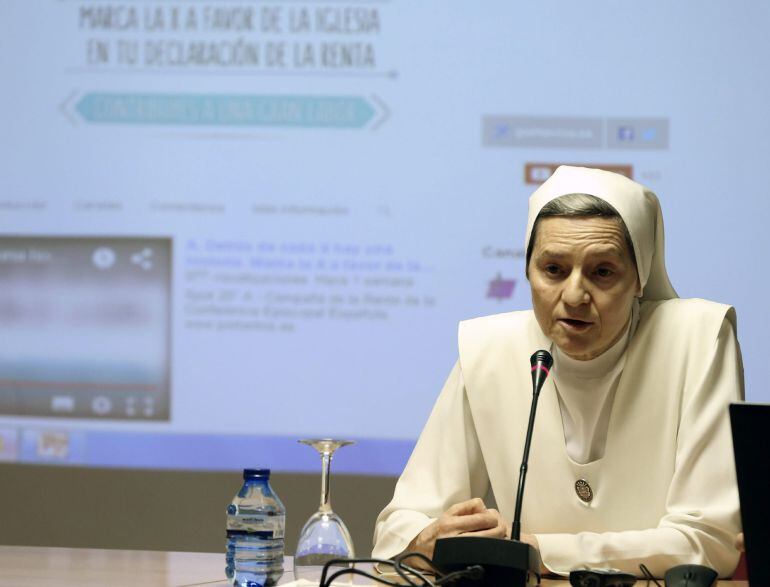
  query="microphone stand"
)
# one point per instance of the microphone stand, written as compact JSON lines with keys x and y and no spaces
{"x":506,"y":563}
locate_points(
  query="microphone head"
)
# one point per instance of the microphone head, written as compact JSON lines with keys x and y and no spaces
{"x":541,"y":357}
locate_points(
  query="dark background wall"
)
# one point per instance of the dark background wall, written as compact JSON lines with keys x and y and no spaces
{"x":164,"y":510}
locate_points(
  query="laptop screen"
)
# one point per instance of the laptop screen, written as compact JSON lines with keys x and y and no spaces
{"x":750,"y":425}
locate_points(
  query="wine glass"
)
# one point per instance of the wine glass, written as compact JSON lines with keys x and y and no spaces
{"x":324,"y":536}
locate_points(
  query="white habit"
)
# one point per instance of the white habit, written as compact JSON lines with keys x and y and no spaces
{"x":664,"y":490}
{"x":652,"y":440}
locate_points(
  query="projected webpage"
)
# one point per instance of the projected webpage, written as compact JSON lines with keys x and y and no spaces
{"x":225,"y":226}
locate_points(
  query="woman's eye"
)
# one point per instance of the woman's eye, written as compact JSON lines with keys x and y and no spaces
{"x":604,"y":272}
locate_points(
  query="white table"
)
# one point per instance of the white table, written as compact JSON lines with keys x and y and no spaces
{"x":28,"y":566}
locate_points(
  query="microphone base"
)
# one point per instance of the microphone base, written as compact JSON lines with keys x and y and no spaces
{"x":506,"y":563}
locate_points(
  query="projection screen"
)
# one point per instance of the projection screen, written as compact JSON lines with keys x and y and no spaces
{"x":228,"y":225}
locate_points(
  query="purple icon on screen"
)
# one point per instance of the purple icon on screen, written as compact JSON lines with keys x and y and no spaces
{"x":501,"y":289}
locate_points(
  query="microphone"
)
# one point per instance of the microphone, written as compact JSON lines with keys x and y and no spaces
{"x":541,"y":362}
{"x":505,"y":562}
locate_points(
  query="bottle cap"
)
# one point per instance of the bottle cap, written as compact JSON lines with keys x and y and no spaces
{"x":252,"y":473}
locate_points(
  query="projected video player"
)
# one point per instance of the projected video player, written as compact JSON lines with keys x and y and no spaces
{"x":85,"y":325}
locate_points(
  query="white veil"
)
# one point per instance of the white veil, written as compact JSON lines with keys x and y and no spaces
{"x":638,"y":207}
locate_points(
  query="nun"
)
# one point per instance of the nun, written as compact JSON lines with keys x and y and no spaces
{"x":631,"y":460}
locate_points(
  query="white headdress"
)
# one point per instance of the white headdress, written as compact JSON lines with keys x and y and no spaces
{"x":638,"y":207}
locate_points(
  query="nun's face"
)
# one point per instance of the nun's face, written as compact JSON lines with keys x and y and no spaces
{"x":583,"y":282}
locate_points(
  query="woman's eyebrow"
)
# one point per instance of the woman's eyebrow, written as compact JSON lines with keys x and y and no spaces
{"x":552,"y":253}
{"x":611,"y":250}
{"x":608,"y":250}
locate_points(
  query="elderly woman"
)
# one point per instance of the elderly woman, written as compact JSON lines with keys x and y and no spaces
{"x":631,"y":457}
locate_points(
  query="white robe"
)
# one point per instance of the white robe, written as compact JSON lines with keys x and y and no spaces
{"x":664,"y":490}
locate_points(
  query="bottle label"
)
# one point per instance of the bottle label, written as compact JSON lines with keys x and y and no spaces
{"x":264,"y":526}
{"x":259,"y":534}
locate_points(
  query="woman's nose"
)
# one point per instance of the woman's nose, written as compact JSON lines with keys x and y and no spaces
{"x":575,"y":292}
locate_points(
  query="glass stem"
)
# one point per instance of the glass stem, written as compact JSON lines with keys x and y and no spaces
{"x":326,"y":463}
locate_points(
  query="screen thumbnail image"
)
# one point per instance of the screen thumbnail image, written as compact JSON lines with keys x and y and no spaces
{"x":85,"y":325}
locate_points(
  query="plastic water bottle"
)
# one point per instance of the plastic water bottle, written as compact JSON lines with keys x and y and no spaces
{"x":256,"y":520}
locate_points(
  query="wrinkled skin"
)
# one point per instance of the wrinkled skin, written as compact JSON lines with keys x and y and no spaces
{"x":467,"y":518}
{"x":583,"y":281}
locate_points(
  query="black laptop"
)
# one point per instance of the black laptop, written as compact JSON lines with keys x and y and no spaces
{"x":751,"y":442}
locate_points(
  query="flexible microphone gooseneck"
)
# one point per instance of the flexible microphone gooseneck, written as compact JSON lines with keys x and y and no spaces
{"x":505,"y":562}
{"x":541,"y":363}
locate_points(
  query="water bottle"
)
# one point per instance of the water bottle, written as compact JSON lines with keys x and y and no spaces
{"x":256,"y":520}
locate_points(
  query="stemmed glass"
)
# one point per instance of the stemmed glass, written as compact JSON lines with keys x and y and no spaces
{"x":324,"y":536}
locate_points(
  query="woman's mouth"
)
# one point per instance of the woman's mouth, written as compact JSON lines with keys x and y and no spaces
{"x":574,"y":325}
